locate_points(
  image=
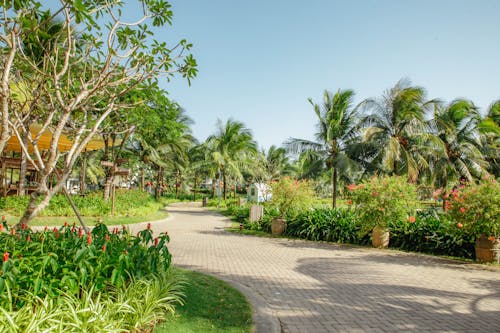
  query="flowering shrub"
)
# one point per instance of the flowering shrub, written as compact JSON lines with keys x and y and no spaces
{"x":68,"y":260}
{"x":290,"y":196}
{"x":380,"y":201}
{"x":476,"y":208}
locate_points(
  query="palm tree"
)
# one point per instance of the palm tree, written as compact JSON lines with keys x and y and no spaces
{"x":396,"y":126}
{"x":489,"y":128}
{"x":229,"y":147}
{"x":457,"y":153}
{"x":336,"y":130}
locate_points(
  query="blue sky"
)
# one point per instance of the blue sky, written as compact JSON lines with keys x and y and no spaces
{"x":259,"y":61}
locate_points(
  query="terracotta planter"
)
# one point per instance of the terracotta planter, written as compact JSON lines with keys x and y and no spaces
{"x":278,"y":226}
{"x":380,"y":237}
{"x":488,"y":249}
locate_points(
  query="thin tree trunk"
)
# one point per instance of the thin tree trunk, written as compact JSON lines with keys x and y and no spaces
{"x":3,"y":176}
{"x":82,"y":173}
{"x":177,"y":184}
{"x":334,"y":181}
{"x":224,"y":181}
{"x":143,"y":175}
{"x":194,"y":192}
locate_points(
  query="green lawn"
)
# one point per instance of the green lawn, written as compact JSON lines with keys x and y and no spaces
{"x":212,"y":306}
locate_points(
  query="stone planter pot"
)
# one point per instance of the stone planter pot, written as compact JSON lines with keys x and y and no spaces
{"x":488,"y":249}
{"x":380,"y":237}
{"x":278,"y":226}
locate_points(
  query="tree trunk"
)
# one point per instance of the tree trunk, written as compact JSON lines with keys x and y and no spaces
{"x":35,"y":206}
{"x":224,"y":182}
{"x":3,"y":176}
{"x":82,"y":173}
{"x":194,"y":192}
{"x":334,"y":181}
{"x":177,"y":184}
{"x":143,"y":175}
{"x":158,"y":184}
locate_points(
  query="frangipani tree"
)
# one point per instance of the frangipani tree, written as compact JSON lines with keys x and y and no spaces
{"x":97,"y":58}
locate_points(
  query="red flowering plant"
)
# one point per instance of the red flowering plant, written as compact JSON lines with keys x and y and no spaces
{"x":475,"y":208}
{"x":290,"y":196}
{"x":381,"y":201}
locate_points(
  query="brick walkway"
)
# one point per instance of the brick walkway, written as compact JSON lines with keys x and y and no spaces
{"x":320,"y":287}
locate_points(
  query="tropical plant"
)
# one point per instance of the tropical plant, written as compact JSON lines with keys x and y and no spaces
{"x":336,"y":130}
{"x":489,"y":128}
{"x":476,"y":208}
{"x":382,"y":200}
{"x":290,"y":196}
{"x":455,"y":148}
{"x":395,"y":128}
{"x":229,"y":149}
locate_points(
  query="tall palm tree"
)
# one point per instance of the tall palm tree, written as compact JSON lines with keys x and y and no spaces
{"x":229,"y":148}
{"x":336,"y":130}
{"x":489,"y":128}
{"x":396,"y":126}
{"x":457,"y":152}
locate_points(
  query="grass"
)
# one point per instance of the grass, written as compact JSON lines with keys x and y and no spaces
{"x":235,"y":228}
{"x":88,"y":220}
{"x":211,"y":306}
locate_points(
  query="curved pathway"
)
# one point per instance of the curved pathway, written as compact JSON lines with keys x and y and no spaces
{"x":321,"y":287}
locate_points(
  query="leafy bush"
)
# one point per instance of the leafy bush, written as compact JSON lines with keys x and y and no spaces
{"x":68,"y":260}
{"x":431,"y":233}
{"x":290,"y":196}
{"x":130,"y":309}
{"x":381,"y":201}
{"x":128,"y":202}
{"x":336,"y":225}
{"x":476,"y":208}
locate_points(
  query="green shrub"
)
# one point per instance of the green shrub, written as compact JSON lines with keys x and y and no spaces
{"x":69,"y":260}
{"x":326,"y":224}
{"x":431,"y":233}
{"x":381,"y":201}
{"x":476,"y":208}
{"x":290,"y":196}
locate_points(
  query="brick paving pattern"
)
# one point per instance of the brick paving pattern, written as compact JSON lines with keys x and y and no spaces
{"x":319,"y":287}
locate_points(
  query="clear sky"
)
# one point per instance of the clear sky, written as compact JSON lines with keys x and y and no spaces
{"x":260,"y":60}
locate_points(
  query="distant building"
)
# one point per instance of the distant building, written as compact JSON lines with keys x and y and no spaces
{"x":259,"y":192}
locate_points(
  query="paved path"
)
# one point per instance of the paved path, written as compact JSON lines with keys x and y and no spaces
{"x":319,"y":287}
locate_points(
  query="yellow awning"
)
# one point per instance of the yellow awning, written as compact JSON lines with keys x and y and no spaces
{"x":64,"y":143}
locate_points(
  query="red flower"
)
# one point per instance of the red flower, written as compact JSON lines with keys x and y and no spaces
{"x":80,"y":233}
{"x":55,"y":230}
{"x":411,"y":219}
{"x":349,"y":202}
{"x":460,"y":225}
{"x":12,"y":231}
{"x":156,"y":241}
{"x":3,"y":217}
{"x":107,"y":237}
{"x":1,"y":227}
{"x":46,"y":228}
{"x":149,"y":226}
{"x":351,"y":187}
{"x":5,"y":256}
{"x":23,"y":226}
{"x":104,"y":248}
{"x":462,"y":210}
{"x":89,"y":239}
{"x":66,"y":224}
{"x":28,"y":239}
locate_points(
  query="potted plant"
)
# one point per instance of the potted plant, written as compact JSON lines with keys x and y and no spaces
{"x":475,"y":208}
{"x":288,"y":197}
{"x":380,"y":201}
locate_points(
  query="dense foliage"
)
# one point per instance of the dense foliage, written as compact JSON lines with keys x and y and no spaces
{"x":382,"y":200}
{"x":128,"y":202}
